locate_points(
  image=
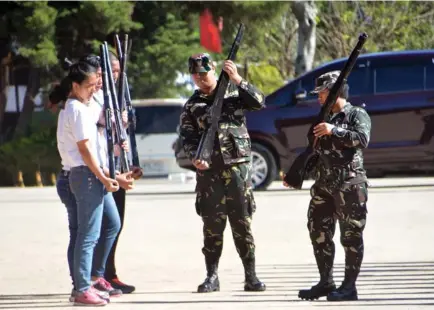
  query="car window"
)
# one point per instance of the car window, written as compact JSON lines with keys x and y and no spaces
{"x":358,"y":81}
{"x":281,"y":97}
{"x":429,"y":76}
{"x":399,"y":78}
{"x":157,"y":119}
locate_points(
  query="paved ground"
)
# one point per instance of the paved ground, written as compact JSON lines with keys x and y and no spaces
{"x":159,"y":250}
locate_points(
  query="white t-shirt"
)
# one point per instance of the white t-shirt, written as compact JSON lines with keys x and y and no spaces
{"x":79,"y":125}
{"x":60,"y":141}
{"x":97,"y":107}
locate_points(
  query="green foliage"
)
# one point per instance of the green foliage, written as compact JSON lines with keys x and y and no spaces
{"x":82,"y":28}
{"x":104,"y":17}
{"x":35,"y":25}
{"x":36,"y":152}
{"x":164,"y":34}
{"x":155,"y":66}
{"x":266,"y":37}
{"x":391,"y":25}
{"x":265,"y":76}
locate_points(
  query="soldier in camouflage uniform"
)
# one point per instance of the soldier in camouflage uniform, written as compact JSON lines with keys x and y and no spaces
{"x":339,"y":192}
{"x":224,"y":189}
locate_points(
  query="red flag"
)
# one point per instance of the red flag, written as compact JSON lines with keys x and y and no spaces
{"x":209,"y":33}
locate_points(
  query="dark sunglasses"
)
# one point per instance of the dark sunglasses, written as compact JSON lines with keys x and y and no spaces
{"x":202,"y":60}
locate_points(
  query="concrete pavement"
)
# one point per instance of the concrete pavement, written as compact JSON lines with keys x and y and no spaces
{"x":159,"y":250}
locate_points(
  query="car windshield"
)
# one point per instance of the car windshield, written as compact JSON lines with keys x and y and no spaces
{"x":157,"y":119}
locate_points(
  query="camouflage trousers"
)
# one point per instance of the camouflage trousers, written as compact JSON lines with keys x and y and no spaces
{"x":347,"y":206}
{"x":221,"y":195}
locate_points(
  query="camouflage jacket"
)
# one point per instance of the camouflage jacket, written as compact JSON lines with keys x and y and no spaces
{"x":232,"y":143}
{"x":340,"y":154}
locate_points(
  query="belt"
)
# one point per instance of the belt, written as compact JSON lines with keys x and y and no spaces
{"x":65,"y":172}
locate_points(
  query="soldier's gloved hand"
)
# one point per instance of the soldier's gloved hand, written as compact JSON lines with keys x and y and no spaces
{"x":201,"y":164}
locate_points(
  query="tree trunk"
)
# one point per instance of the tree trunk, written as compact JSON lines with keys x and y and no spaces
{"x":4,"y":86}
{"x":305,"y":12}
{"x":29,"y":103}
{"x":26,"y":113}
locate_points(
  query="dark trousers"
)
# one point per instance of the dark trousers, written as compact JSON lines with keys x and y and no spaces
{"x":110,"y":271}
{"x":325,"y":209}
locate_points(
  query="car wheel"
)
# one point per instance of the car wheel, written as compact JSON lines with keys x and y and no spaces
{"x":264,"y":167}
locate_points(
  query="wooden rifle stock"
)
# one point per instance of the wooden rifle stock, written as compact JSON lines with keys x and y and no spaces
{"x":108,"y":113}
{"x":119,"y":129}
{"x":206,"y":144}
{"x":305,"y":161}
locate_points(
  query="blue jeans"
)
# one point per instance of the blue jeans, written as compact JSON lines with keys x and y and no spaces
{"x":68,"y":199}
{"x":93,"y":203}
{"x":111,"y":225}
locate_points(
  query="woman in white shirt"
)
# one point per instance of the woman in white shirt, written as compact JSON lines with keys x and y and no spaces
{"x":88,"y":181}
{"x":57,"y":98}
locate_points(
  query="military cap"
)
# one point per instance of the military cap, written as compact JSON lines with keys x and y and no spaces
{"x":199,"y":63}
{"x":325,"y":81}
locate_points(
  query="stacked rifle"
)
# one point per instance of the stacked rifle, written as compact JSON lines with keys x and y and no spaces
{"x":116,"y":101}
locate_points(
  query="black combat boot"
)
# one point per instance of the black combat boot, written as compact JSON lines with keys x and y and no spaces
{"x":325,"y":286}
{"x":324,"y":263}
{"x":347,"y":291}
{"x":211,"y":283}
{"x":251,"y":282}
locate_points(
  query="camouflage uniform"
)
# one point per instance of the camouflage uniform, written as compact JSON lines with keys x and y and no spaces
{"x":340,"y":193}
{"x":224,"y":190}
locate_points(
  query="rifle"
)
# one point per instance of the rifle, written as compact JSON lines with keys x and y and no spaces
{"x":120,"y":131}
{"x":306,"y":160}
{"x":108,"y":112}
{"x":206,"y":144}
{"x":123,"y":65}
{"x":131,"y":117}
{"x":131,"y":125}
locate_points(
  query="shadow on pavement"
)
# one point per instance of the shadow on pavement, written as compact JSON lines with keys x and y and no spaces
{"x":382,"y":284}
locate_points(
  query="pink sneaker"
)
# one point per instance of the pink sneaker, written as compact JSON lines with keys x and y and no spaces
{"x":103,"y":295}
{"x":88,"y":298}
{"x":102,"y":285}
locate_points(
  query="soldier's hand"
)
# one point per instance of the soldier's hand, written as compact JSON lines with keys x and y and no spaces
{"x":323,"y":129}
{"x":232,"y":71}
{"x":201,"y":164}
